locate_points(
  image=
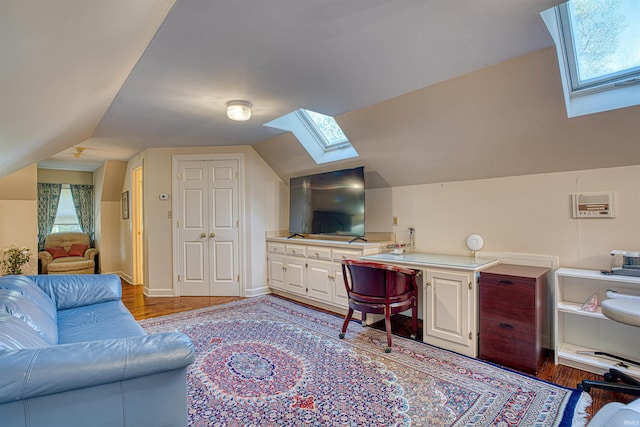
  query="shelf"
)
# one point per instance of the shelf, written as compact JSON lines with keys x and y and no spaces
{"x":568,"y":355}
{"x":596,"y":275}
{"x":573,"y":308}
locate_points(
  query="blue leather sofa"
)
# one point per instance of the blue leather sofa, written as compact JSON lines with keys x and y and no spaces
{"x":71,"y":354}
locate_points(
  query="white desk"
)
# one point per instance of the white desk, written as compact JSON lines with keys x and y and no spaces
{"x":450,"y":296}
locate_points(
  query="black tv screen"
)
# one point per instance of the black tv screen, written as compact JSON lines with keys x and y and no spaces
{"x":328,"y":203}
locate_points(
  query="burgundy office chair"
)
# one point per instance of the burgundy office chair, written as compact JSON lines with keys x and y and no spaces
{"x":381,"y":289}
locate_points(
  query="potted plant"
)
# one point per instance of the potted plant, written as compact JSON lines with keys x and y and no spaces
{"x":14,"y":258}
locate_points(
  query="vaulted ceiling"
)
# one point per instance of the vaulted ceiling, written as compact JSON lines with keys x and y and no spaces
{"x":121,"y":76}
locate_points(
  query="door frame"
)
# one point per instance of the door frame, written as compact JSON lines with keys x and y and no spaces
{"x":137,"y":224}
{"x":175,"y":209}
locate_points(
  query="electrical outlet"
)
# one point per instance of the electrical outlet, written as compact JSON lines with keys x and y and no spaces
{"x":395,"y":220}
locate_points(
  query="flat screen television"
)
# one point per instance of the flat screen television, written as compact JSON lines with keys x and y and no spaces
{"x":328,"y":203}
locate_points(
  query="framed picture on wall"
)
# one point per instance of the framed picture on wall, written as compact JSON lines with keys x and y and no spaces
{"x":125,"y":205}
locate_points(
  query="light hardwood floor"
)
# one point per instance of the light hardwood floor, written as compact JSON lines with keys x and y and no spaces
{"x":143,"y":307}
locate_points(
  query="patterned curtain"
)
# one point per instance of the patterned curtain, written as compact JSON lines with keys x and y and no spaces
{"x":82,"y":196}
{"x":48,"y":198}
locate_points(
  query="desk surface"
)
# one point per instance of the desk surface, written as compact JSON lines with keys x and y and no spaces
{"x":432,"y":260}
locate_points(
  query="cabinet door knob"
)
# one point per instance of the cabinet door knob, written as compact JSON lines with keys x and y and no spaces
{"x":203,"y":235}
{"x":428,"y":283}
{"x":212,"y":235}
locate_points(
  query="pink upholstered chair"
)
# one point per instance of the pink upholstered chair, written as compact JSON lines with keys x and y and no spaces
{"x":381,"y":289}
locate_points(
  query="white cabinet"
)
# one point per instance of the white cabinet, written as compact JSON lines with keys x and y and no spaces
{"x":578,"y":331}
{"x":450,"y":310}
{"x":449,"y":299}
{"x":312,"y":269}
{"x":319,"y":280}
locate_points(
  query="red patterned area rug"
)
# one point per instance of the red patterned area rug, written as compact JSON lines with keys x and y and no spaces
{"x":266,"y":361}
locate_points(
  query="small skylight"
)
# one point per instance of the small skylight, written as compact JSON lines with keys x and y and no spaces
{"x":598,"y":46}
{"x":318,"y":133}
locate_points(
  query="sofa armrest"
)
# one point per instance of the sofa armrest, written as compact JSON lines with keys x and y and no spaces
{"x":30,"y":373}
{"x":45,"y":258}
{"x":77,"y":290}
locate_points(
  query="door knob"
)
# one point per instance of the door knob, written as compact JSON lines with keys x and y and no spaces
{"x":212,"y":235}
{"x":203,"y":235}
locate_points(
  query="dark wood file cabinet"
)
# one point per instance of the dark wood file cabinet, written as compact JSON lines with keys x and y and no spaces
{"x":512,"y":310}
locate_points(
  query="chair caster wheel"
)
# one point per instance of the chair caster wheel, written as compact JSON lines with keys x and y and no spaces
{"x":583,"y":387}
{"x":609,"y":378}
{"x":341,"y":336}
{"x":387,"y":350}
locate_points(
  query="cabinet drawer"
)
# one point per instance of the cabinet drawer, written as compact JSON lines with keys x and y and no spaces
{"x":340,"y":254}
{"x":510,"y":299}
{"x":509,"y":344}
{"x":275,"y":248}
{"x":296,"y":250}
{"x":314,"y":252}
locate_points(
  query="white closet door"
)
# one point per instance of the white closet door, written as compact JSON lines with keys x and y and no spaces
{"x":208,"y":228}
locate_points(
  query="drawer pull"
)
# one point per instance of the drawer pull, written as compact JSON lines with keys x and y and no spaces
{"x":506,"y":326}
{"x":505,"y":282}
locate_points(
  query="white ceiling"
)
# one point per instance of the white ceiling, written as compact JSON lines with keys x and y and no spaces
{"x":97,"y":74}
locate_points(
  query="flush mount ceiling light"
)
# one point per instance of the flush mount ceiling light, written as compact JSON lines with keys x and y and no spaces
{"x":239,"y":110}
{"x":79,"y":151}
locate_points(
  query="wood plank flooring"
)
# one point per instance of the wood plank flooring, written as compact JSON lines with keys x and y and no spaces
{"x":143,"y":307}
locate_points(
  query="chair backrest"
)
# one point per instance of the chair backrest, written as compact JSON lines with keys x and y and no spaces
{"x":66,"y":239}
{"x":369,"y":281}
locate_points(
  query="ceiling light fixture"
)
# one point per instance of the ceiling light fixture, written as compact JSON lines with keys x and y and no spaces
{"x":79,"y":151}
{"x":239,"y":110}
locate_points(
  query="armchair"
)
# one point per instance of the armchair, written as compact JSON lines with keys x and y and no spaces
{"x":68,"y":253}
{"x":380,"y":289}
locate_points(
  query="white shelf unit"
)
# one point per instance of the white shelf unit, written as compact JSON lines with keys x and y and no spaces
{"x":577,"y":330}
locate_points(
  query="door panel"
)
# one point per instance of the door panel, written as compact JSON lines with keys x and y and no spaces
{"x":194,"y":250}
{"x":194,"y":267}
{"x":447,"y":306}
{"x":223,"y":227}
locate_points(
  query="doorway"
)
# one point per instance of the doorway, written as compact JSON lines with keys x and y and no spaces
{"x":137,"y":225}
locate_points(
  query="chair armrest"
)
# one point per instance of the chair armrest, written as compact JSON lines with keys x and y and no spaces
{"x":31,"y":373}
{"x":45,"y":258}
{"x":77,"y":290}
{"x":90,"y":253}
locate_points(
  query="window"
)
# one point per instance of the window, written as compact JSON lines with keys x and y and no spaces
{"x":318,"y":133}
{"x":66,"y":217}
{"x":598,"y":47}
{"x":328,"y":133}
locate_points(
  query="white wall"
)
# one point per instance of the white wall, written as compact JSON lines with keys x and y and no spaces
{"x":523,"y":214}
{"x":263,"y":211}
{"x":19,"y":214}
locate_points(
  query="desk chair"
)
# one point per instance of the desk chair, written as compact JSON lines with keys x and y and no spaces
{"x":624,"y":309}
{"x":380,"y":289}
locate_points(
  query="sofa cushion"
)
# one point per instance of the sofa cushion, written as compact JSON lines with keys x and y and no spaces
{"x":57,"y":252}
{"x":14,"y":303}
{"x":15,"y":334}
{"x":105,"y":320}
{"x":98,"y":321}
{"x":75,"y":290}
{"x":77,"y":250}
{"x":28,"y":288}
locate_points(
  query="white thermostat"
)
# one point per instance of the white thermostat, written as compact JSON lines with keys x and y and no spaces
{"x":593,"y":205}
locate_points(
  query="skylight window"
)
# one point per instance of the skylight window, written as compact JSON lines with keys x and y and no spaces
{"x":598,"y":46}
{"x":330,"y":134}
{"x":319,"y":134}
